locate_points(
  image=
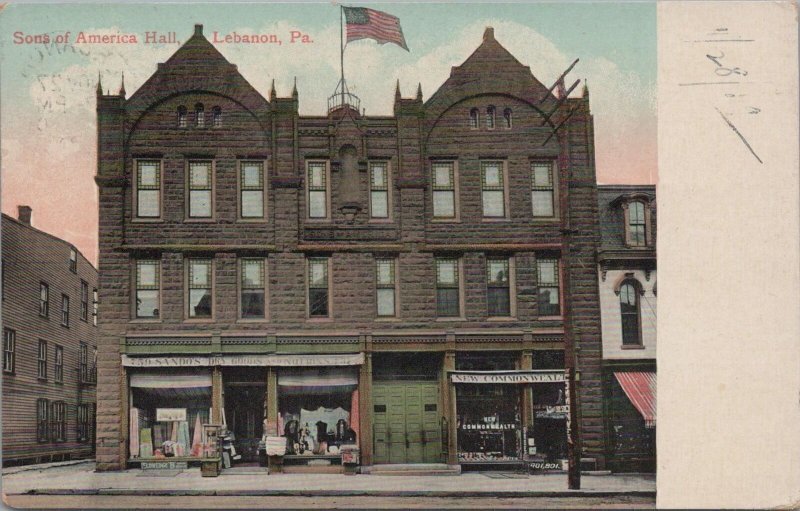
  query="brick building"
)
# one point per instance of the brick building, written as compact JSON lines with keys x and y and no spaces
{"x":49,"y":346}
{"x":404,"y":282}
{"x":627,"y":264}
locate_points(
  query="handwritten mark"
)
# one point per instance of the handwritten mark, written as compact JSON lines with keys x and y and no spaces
{"x":722,"y":70}
{"x":735,"y":130}
{"x":709,"y":83}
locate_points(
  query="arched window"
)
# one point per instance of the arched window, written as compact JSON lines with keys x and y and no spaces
{"x":181,"y":116}
{"x":636,"y":224}
{"x":490,"y":114}
{"x":199,"y":115}
{"x":629,"y":310}
{"x":217,"y":115}
{"x":507,"y":117}
{"x":473,"y":118}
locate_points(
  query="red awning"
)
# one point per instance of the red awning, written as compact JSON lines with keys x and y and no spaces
{"x":640,"y":387}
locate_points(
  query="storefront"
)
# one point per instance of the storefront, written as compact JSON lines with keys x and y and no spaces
{"x":631,"y":416}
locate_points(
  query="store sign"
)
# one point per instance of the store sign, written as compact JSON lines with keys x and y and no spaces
{"x":508,"y":377}
{"x":164,"y":465}
{"x":247,"y":360}
{"x":170,"y":414}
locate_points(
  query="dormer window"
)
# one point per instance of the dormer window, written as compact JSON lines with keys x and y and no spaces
{"x":181,"y":116}
{"x":199,"y":115}
{"x":636,"y":216}
{"x":636,"y":224}
{"x":490,"y":117}
{"x":507,"y":118}
{"x":217,"y":116}
{"x":473,"y":119}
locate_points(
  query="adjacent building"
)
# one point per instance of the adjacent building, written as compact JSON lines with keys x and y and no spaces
{"x":409,"y":283}
{"x":49,"y":298}
{"x":627,"y":277}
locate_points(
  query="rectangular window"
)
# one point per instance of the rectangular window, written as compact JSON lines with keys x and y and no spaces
{"x":251,"y":189}
{"x":148,"y":288}
{"x":3,"y":279}
{"x":93,"y":368}
{"x":95,"y":303}
{"x":549,"y":300}
{"x":84,"y":301}
{"x":42,"y":422}
{"x":73,"y":260}
{"x":148,"y":189}
{"x":448,"y":300}
{"x":83,"y":363}
{"x":83,"y":422}
{"x":542,"y":189}
{"x":9,"y":349}
{"x":253,"y":282}
{"x":636,"y":224}
{"x":493,"y":193}
{"x":498,"y":287}
{"x":317,"y":189}
{"x":444,"y":189}
{"x":318,"y":289}
{"x":65,"y":310}
{"x":200,"y":189}
{"x":200,"y":297}
{"x":379,"y":189}
{"x":385,"y":270}
{"x":44,"y":299}
{"x":41,"y":360}
{"x":58,"y":368}
{"x":58,"y":421}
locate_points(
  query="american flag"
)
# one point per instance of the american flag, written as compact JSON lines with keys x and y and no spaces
{"x":363,"y":23}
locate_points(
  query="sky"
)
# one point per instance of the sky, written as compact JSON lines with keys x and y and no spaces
{"x":47,"y":89}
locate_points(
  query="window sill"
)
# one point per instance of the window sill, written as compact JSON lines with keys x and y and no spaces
{"x":137,"y":220}
{"x":550,"y":318}
{"x":545,"y":219}
{"x":252,"y":320}
{"x":259,"y":220}
{"x":199,"y":321}
{"x":501,"y":319}
{"x":446,"y":220}
{"x":387,"y":319}
{"x":318,"y":221}
{"x":199,"y":220}
{"x":381,"y":221}
{"x":632,"y":347}
{"x":320,"y":320}
{"x":144,"y":321}
{"x":495,"y":219}
{"x":453,"y":318}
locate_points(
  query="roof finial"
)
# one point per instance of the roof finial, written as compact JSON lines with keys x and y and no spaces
{"x":419,"y":91}
{"x":397,"y":90}
{"x":99,"y":85}
{"x":585,"y":88}
{"x":122,"y":86}
{"x":272,"y":93}
{"x":294,"y":89}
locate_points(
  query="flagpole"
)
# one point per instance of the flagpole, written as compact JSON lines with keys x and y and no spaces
{"x":341,"y":46}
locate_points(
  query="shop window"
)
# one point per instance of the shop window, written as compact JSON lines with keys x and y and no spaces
{"x":315,"y":409}
{"x":498,"y":287}
{"x":473,"y":118}
{"x":448,"y":295}
{"x":550,"y":411}
{"x":379,"y":189}
{"x":148,"y":189}
{"x":148,"y":288}
{"x":317,"y":189}
{"x":488,"y":422}
{"x":507,"y":118}
{"x":65,"y":310}
{"x":58,"y":367}
{"x":9,"y":350}
{"x":636,"y":224}
{"x":73,"y":260}
{"x":251,"y":189}
{"x":493,"y":194}
{"x":490,"y":117}
{"x":217,"y":116}
{"x":386,"y":287}
{"x":182,"y":116}
{"x":630,"y":314}
{"x":199,"y":115}
{"x":444,"y":189}
{"x":83,"y":423}
{"x":84,"y":301}
{"x":41,"y":361}
{"x":200,"y":278}
{"x":253,"y":287}
{"x":42,"y":422}
{"x":58,"y":421}
{"x":542,"y":189}
{"x":200,"y":204}
{"x":95,"y":303}
{"x":44,"y":300}
{"x":549,"y":294}
{"x":318,"y":287}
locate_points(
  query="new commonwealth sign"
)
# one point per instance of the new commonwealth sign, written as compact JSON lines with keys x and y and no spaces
{"x":507,"y":376}
{"x":246,"y":360}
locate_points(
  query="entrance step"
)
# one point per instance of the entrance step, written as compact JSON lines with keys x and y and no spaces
{"x":413,"y":469}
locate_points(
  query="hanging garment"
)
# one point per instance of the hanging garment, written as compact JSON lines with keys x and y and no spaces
{"x":134,"y":433}
{"x":330,"y":416}
{"x":146,"y":443}
{"x":183,"y":437}
{"x":197,"y":442}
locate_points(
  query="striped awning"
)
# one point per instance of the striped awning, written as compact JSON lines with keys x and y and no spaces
{"x":640,"y":387}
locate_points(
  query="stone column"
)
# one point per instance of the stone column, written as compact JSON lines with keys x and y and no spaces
{"x":216,"y":395}
{"x":365,"y":409}
{"x":526,"y":410}
{"x":449,"y":394}
{"x":272,"y":401}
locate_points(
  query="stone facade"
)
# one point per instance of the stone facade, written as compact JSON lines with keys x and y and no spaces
{"x":271,"y":131}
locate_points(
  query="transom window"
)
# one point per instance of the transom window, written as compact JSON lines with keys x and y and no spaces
{"x":148,"y":288}
{"x":253,"y":284}
{"x":542,"y":189}
{"x":385,"y":282}
{"x":41,"y":361}
{"x":44,"y":299}
{"x":148,"y":189}
{"x":636,"y":224}
{"x":379,"y":189}
{"x":493,"y":189}
{"x":200,"y":284}
{"x":444,"y":189}
{"x":629,"y":310}
{"x":318,"y":288}
{"x":58,"y":367}
{"x":549,"y":294}
{"x":252,"y":189}
{"x":317,"y":189}
{"x":9,"y":349}
{"x":498,"y":287}
{"x":448,"y":300}
{"x":200,"y":189}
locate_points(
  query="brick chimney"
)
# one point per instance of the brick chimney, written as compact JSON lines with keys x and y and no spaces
{"x":198,"y":29}
{"x":24,"y":214}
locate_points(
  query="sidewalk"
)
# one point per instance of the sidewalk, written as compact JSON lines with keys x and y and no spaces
{"x":81,"y":479}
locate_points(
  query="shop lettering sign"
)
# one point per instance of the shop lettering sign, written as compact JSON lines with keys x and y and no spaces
{"x":246,"y":360}
{"x":508,"y":377}
{"x":170,"y":414}
{"x":164,"y":465}
{"x":544,"y":465}
{"x":164,"y":361}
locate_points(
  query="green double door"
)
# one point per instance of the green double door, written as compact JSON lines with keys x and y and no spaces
{"x":407,"y":422}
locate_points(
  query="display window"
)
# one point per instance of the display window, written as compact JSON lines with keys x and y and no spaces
{"x":167,"y":412}
{"x":318,"y":410}
{"x":489,"y":427}
{"x":550,"y":411}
